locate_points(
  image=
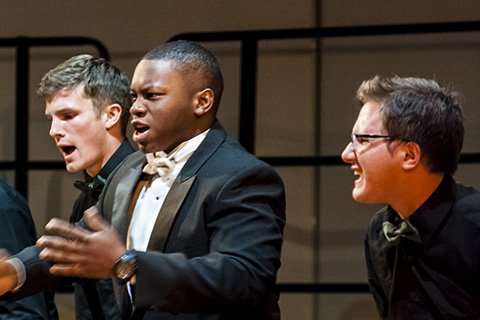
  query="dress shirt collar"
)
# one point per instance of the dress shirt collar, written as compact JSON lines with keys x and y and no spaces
{"x":428,"y":218}
{"x":185,"y":149}
{"x":123,"y":150}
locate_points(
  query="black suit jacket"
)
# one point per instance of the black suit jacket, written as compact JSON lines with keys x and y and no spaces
{"x":215,"y":248}
{"x":17,"y":231}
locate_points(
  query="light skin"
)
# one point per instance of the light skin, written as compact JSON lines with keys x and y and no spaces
{"x":8,"y":279}
{"x":85,"y":140}
{"x":390,"y":172}
{"x":167,"y":110}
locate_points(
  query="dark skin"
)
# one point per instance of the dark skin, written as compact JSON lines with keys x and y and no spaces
{"x":167,"y":110}
{"x":81,"y":252}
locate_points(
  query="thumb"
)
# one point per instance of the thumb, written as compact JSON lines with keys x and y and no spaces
{"x":93,"y":220}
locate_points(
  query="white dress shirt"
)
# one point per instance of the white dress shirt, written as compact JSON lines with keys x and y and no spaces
{"x":151,"y":197}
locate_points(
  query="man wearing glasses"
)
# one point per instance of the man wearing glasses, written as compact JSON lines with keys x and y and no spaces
{"x":423,"y":249}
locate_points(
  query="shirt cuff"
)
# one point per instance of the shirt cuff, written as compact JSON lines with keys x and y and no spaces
{"x":21,"y":273}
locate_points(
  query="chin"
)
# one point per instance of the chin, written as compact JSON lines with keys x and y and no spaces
{"x":145,"y":148}
{"x":72,"y":169}
{"x":359,"y":196}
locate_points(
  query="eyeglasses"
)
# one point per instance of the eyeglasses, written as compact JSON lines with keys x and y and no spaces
{"x":360,"y":141}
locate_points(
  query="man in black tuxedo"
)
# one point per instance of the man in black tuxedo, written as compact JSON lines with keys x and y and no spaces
{"x":196,"y":221}
{"x":422,"y":250}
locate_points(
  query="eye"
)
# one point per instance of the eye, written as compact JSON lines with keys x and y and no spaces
{"x":134,"y":96}
{"x":153,"y":95}
{"x":362,"y":141}
{"x":68,"y":116}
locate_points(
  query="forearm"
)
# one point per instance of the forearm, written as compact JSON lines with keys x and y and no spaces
{"x":37,"y":276}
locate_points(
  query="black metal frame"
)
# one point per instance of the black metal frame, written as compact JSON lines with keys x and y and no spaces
{"x":21,"y":164}
{"x":249,"y":41}
{"x":246,"y":135}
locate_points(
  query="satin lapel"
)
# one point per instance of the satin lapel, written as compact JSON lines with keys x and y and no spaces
{"x":123,"y":194}
{"x":168,"y":212}
{"x":182,"y":185}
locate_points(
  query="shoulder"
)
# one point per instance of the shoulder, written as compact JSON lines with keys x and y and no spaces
{"x":131,"y":162}
{"x":11,"y":197}
{"x":132,"y":159}
{"x":467,"y":204}
{"x":466,"y":198}
{"x":232,"y":162}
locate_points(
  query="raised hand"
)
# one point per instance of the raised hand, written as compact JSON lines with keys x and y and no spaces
{"x":80,"y":252}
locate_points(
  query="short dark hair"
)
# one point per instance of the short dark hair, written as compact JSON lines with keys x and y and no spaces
{"x":103,"y":83}
{"x":192,"y":59}
{"x":421,"y":111}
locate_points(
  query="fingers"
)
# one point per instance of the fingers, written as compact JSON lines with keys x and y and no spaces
{"x":94,"y":221}
{"x":66,"y":230}
{"x":58,"y":249}
{"x":66,"y":270}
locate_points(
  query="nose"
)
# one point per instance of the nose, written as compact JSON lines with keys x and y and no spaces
{"x":138,"y":109}
{"x":55,"y":129}
{"x":348,"y":155}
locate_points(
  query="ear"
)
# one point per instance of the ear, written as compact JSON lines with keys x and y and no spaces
{"x":204,"y":102}
{"x":111,"y":115}
{"x":411,"y":154}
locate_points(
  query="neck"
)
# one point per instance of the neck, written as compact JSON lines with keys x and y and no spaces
{"x":415,"y":192}
{"x":111,"y":145}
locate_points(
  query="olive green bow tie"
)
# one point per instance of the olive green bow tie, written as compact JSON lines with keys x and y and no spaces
{"x":394,"y":233}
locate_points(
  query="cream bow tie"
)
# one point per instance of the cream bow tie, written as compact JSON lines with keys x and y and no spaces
{"x":159,"y":163}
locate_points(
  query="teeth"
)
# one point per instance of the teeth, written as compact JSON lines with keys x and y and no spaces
{"x":141,"y":128}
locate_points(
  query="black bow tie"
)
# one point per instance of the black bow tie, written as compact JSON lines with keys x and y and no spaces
{"x":96,"y":185}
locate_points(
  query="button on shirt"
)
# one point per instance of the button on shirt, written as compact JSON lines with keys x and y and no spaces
{"x":151,"y":198}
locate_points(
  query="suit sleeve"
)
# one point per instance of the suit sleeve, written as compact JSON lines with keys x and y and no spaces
{"x":18,"y":232}
{"x":231,"y":270}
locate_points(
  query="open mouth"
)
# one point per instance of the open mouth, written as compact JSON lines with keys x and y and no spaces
{"x":67,"y":150}
{"x":357,"y":175}
{"x":139,"y":130}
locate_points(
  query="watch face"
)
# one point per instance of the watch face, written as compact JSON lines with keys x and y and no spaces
{"x":124,"y":270}
{"x":125,"y":267}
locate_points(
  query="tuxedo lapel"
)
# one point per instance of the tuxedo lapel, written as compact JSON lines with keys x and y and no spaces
{"x":123,"y":195}
{"x":167,"y":214}
{"x":182,"y":185}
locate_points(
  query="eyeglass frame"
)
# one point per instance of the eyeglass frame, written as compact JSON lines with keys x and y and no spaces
{"x":354,"y":136}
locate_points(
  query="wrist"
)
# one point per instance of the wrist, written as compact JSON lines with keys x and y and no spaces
{"x":126,"y":266}
{"x":16,"y":274}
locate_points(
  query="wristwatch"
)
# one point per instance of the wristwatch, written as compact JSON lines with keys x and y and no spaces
{"x":126,"y":267}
